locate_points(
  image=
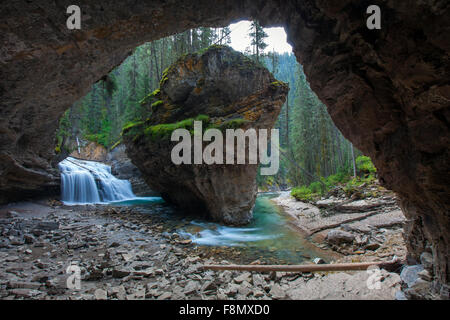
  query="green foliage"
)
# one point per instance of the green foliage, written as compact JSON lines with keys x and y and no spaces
{"x":304,"y":193}
{"x":317,"y":189}
{"x":233,"y":124}
{"x":364,"y":165}
{"x":156,"y":104}
{"x":100,"y":138}
{"x":115,"y":145}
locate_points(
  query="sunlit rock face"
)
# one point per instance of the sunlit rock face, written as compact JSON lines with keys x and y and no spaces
{"x":387,"y":90}
{"x":220,"y":89}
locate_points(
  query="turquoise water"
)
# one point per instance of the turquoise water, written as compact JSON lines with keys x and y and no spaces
{"x":269,"y":236}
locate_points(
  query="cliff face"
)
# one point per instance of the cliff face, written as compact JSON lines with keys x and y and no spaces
{"x":387,"y":90}
{"x":222,"y":89}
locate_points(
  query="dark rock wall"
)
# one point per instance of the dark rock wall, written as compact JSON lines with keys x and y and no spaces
{"x":387,"y":90}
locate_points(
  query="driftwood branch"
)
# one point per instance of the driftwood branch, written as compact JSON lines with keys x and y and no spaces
{"x":337,"y":224}
{"x":388,"y":265}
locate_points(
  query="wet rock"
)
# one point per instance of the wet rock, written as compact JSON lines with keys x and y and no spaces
{"x":425,"y":275}
{"x":409,"y":274}
{"x":426,"y":259}
{"x":420,"y":289}
{"x":319,"y":261}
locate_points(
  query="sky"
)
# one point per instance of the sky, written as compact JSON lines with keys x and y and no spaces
{"x":276,"y":40}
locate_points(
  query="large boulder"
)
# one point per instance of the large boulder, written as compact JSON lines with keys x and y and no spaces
{"x":123,"y":168}
{"x":224,"y":90}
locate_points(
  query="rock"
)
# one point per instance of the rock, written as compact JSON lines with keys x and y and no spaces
{"x":372,"y":246}
{"x":100,"y":294}
{"x":400,"y":295}
{"x":24,"y":285}
{"x":47,"y":225}
{"x":119,"y":292}
{"x":420,"y":289}
{"x":120,"y":272}
{"x":258,"y":280}
{"x":319,"y":261}
{"x":29,"y":239}
{"x":258,"y":293}
{"x":425,"y":275}
{"x":123,"y":168}
{"x":276,"y":292}
{"x":229,"y":90}
{"x":91,"y":151}
{"x":338,"y":237}
{"x":426,"y":259}
{"x":76,"y":245}
{"x":165,"y":296}
{"x":25,"y":293}
{"x":245,"y":276}
{"x":209,"y":286}
{"x":409,"y":274}
{"x":191,"y":287}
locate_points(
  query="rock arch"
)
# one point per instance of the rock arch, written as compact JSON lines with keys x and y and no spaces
{"x":387,"y":90}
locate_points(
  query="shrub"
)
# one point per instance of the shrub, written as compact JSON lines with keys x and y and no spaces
{"x":365,"y":165}
{"x":303,"y":193}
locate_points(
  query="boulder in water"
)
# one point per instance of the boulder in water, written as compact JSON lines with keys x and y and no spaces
{"x":221,"y":89}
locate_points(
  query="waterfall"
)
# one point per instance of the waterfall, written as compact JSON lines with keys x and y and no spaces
{"x":85,"y":181}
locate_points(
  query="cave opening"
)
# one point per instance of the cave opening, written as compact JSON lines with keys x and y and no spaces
{"x":386,"y":83}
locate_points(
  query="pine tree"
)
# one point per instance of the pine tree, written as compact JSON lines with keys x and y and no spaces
{"x":257,"y":36}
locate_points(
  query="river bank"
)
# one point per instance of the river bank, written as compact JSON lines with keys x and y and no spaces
{"x":123,"y":253}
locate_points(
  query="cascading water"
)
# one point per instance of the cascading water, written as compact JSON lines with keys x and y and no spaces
{"x":91,"y":182}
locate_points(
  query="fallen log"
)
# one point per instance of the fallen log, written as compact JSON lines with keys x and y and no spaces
{"x":387,"y":265}
{"x":337,"y":224}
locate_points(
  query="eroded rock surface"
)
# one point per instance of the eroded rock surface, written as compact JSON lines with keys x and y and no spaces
{"x":222,"y":89}
{"x":387,"y":90}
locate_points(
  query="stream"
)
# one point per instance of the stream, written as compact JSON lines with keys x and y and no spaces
{"x":269,"y":237}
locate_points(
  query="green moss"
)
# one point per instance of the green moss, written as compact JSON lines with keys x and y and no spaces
{"x":233,"y":124}
{"x":132,"y":129}
{"x":278,"y":83}
{"x":156,"y":104}
{"x":152,"y":95}
{"x":116,"y":144}
{"x":164,"y":130}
